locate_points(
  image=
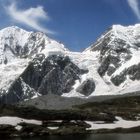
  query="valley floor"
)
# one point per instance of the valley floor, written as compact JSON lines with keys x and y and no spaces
{"x":119,"y":115}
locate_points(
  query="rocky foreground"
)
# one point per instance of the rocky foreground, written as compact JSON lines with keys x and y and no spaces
{"x":121,"y":115}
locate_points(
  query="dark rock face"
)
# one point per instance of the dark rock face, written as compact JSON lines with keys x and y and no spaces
{"x":105,"y":65}
{"x":87,"y":87}
{"x":52,"y":83}
{"x":117,"y":80}
{"x":113,"y":52}
{"x":115,"y":58}
{"x":133,"y":72}
{"x":52,"y":75}
{"x":18,"y":91}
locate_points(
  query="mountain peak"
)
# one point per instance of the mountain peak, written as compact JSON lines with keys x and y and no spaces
{"x":16,"y":42}
{"x":13,"y":29}
{"x":128,"y":35}
{"x":120,"y":27}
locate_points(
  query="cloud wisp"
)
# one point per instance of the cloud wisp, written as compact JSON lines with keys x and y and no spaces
{"x":30,"y":17}
{"x":134,"y":5}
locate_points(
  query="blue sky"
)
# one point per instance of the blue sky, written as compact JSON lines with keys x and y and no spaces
{"x":76,"y":23}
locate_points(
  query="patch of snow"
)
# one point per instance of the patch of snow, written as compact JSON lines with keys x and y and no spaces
{"x":53,"y":128}
{"x":18,"y":127}
{"x":14,"y":121}
{"x":120,"y":123}
{"x":59,"y":121}
{"x":73,"y":93}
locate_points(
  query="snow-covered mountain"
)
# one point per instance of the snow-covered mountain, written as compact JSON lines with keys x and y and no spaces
{"x":119,"y":58}
{"x":32,"y":65}
{"x":18,"y":43}
{"x":17,"y":48}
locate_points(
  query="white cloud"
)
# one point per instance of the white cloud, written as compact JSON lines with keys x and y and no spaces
{"x":134,"y":5}
{"x":30,"y":17}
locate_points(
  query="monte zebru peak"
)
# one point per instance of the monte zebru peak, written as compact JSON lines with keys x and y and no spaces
{"x":33,"y":65}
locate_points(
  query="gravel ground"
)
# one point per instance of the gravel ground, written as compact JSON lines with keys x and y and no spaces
{"x":55,"y":102}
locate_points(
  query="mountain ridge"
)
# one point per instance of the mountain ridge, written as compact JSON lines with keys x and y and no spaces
{"x":37,"y":65}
